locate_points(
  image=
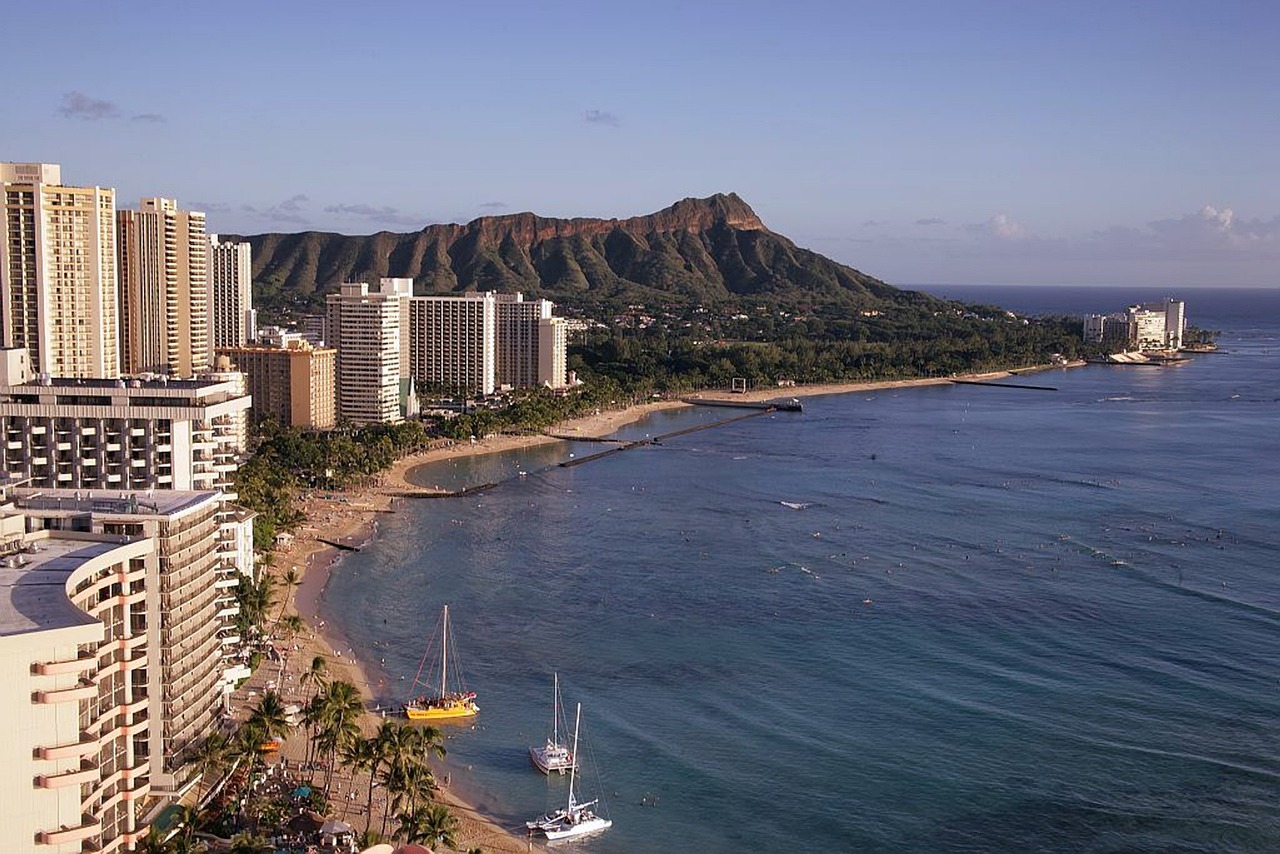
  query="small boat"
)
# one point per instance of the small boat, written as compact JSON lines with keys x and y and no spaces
{"x":446,"y":704}
{"x":554,"y":755}
{"x":575,"y":819}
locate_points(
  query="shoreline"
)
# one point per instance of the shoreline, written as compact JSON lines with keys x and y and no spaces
{"x":351,"y":517}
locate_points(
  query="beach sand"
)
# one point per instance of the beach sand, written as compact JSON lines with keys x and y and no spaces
{"x":351,"y":518}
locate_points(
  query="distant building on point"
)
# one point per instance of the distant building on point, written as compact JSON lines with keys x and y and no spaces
{"x":1153,"y":326}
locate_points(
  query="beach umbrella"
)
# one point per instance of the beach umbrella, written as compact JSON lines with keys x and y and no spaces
{"x":302,"y":792}
{"x":380,"y":848}
{"x":413,"y":848}
{"x":333,"y":826}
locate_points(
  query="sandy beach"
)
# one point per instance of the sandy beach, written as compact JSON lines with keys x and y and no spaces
{"x":351,"y":518}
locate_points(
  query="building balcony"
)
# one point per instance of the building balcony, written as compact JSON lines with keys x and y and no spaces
{"x":87,"y":744}
{"x":79,"y":664}
{"x":86,"y":773}
{"x":85,"y":690}
{"x":89,"y":826}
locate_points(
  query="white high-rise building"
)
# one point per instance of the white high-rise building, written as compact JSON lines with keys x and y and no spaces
{"x":58,"y":285}
{"x":454,"y":343}
{"x":164,"y":290}
{"x":553,"y":348}
{"x":119,"y":434}
{"x":231,"y":313}
{"x":1157,"y":325}
{"x":365,"y":328}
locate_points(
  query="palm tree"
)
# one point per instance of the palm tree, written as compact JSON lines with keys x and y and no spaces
{"x":290,"y":580}
{"x":361,"y":755}
{"x":154,"y":843}
{"x":432,"y":825}
{"x":291,"y":625}
{"x":339,"y":722}
{"x":317,"y":675}
{"x":210,"y":756}
{"x":270,"y":717}
{"x":405,"y":773}
{"x":249,"y":843}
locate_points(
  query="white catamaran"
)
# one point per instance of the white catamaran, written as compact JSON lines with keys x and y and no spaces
{"x":575,"y":819}
{"x":554,"y":755}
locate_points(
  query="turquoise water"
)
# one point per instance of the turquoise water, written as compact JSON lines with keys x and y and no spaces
{"x":996,"y":620}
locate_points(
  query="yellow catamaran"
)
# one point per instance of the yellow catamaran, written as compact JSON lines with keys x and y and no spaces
{"x":446,"y":705}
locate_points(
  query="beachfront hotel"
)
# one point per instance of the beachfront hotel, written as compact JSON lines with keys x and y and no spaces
{"x":58,"y":285}
{"x":132,"y":435}
{"x":164,"y":290}
{"x":109,"y":660}
{"x":232,"y":319}
{"x":117,"y":433}
{"x":364,"y":326}
{"x":290,"y":381}
{"x":531,"y":343}
{"x":453,"y":342}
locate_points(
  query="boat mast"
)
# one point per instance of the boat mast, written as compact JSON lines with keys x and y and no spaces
{"x":555,"y":712}
{"x":573,"y":765}
{"x":444,"y":652}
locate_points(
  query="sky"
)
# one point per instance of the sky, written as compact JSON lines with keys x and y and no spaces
{"x":957,"y":141}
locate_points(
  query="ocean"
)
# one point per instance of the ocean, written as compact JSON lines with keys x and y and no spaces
{"x":950,"y":618}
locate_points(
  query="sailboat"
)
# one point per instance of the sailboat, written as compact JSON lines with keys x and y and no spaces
{"x":575,"y":819}
{"x":445,"y":704}
{"x":553,"y":756}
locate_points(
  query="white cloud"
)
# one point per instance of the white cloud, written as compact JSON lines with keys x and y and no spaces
{"x":999,"y":227}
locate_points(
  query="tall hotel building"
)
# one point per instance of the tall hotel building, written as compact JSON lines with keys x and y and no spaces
{"x":115,"y":436}
{"x":58,"y":286}
{"x":231,"y":316}
{"x":289,"y":380}
{"x":454,"y":342}
{"x":531,"y":343}
{"x":109,"y":666}
{"x":164,"y":290}
{"x":118,"y":434}
{"x":365,"y":329}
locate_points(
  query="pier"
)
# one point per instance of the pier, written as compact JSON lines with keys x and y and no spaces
{"x":790,"y":405}
{"x":1006,"y":385}
{"x":340,"y":546}
{"x":760,"y":409}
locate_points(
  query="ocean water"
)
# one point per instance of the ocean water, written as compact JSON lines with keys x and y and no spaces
{"x":985,"y":619}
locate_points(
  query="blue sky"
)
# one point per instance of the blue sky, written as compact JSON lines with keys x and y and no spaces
{"x":922,"y":142}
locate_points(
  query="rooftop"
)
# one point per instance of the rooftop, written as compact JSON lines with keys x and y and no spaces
{"x":152,"y":503}
{"x":33,"y":585}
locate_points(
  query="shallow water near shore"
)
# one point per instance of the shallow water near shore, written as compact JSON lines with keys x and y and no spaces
{"x":983,"y":620}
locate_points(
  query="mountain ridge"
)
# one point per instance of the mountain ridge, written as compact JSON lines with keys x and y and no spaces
{"x":712,"y":250}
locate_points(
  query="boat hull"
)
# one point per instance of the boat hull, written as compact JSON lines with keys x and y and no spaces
{"x":551,"y":758}
{"x":455,"y":711}
{"x":580,"y":828}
